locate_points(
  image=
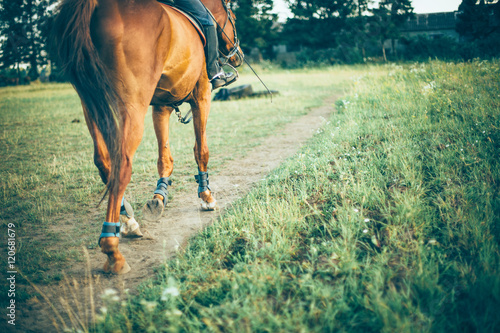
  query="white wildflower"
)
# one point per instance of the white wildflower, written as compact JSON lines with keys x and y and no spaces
{"x":110,"y":295}
{"x":148,"y":306}
{"x":109,"y":292}
{"x":174,"y":312}
{"x":429,"y":87}
{"x":169,"y":291}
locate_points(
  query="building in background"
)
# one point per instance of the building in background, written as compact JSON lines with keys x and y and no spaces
{"x":432,"y":25}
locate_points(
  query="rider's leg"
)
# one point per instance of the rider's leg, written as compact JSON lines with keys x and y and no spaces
{"x":215,"y":72}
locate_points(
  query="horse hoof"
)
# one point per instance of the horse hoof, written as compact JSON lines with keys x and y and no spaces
{"x":125,"y":269}
{"x":130,"y":227}
{"x":153,"y":209}
{"x":116,"y":268}
{"x":208,"y":206}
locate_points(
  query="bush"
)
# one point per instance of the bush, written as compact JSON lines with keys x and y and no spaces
{"x":324,"y":57}
{"x":422,"y":48}
{"x":11,"y":77}
{"x":485,"y":48}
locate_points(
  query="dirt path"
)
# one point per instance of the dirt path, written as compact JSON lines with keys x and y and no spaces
{"x":180,"y":221}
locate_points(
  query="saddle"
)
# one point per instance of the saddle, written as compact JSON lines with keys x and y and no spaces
{"x":162,"y":93}
{"x":194,"y":21}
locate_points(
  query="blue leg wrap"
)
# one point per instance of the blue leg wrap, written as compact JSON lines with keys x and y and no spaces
{"x":161,"y":188}
{"x":202,"y":180}
{"x":109,"y":229}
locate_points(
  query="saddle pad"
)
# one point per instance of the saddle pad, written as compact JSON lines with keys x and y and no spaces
{"x":191,"y":19}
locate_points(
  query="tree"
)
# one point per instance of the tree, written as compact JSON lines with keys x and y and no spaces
{"x":477,"y":19}
{"x":362,"y":6}
{"x":387,"y":19}
{"x":317,"y":23}
{"x":358,"y":27}
{"x":255,"y":24}
{"x":23,"y":27}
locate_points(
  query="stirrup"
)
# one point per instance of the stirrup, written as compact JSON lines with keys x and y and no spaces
{"x":222,"y":79}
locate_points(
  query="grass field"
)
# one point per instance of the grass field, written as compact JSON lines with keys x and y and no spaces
{"x":387,"y":221}
{"x":50,"y":187}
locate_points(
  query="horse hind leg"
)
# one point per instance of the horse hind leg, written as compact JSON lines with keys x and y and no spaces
{"x":133,"y":126}
{"x":109,"y":239}
{"x":153,"y":209}
{"x":129,"y":226}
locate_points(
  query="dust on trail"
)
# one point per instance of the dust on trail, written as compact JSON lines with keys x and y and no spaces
{"x":181,"y":219}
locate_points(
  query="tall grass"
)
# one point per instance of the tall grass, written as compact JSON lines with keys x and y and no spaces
{"x":387,"y":221}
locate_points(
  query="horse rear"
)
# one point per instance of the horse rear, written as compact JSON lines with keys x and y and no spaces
{"x":120,"y":56}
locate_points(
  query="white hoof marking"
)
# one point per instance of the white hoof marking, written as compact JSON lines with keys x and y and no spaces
{"x":129,"y":227}
{"x":208,"y":205}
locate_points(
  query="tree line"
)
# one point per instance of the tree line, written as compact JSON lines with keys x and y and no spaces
{"x":352,"y":31}
{"x":348,"y":31}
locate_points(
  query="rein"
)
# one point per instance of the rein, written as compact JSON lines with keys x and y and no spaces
{"x":236,"y":42}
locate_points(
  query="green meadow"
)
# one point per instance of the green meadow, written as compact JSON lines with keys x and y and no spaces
{"x":50,"y":188}
{"x":386,"y":221}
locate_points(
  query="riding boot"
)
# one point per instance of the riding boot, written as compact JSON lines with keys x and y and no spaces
{"x":216,"y":74}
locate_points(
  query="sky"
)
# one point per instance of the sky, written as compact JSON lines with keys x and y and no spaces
{"x":419,"y":6}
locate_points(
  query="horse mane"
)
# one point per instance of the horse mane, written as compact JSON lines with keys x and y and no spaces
{"x":80,"y":62}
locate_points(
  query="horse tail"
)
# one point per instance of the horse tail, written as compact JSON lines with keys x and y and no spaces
{"x":80,"y":62}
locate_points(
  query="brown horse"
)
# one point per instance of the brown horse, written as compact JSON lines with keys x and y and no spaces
{"x":121,"y":56}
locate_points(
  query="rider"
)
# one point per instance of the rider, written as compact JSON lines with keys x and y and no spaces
{"x":216,"y":74}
